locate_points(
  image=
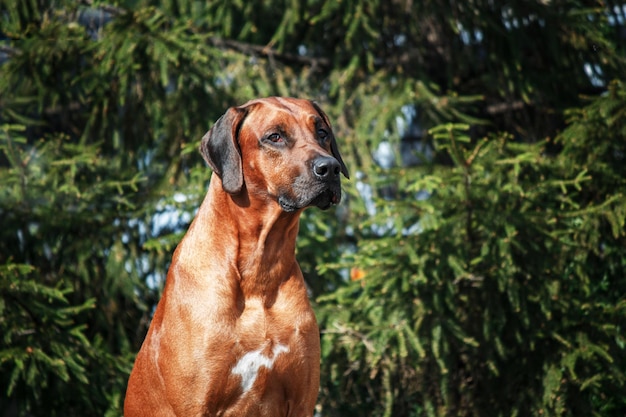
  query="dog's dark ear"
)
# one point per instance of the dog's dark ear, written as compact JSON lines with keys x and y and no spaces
{"x":220,"y":149}
{"x":333,"y":144}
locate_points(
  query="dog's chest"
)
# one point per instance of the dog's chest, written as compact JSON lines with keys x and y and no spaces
{"x":270,"y":350}
{"x":259,"y":361}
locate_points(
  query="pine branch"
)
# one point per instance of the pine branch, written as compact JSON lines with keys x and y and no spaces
{"x":114,"y":10}
{"x":286,"y":58}
{"x":243,"y":47}
{"x":9,"y":50}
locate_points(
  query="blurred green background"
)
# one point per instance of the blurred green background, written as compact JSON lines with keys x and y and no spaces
{"x":476,"y":266}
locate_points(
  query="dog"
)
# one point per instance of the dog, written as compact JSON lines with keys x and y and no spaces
{"x":234,"y":333}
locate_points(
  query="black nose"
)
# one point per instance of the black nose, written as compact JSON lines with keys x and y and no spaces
{"x":326,"y":168}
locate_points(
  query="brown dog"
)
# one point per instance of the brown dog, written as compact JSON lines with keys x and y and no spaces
{"x":234,"y":334}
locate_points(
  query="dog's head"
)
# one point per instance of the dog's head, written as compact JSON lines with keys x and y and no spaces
{"x":281,"y":149}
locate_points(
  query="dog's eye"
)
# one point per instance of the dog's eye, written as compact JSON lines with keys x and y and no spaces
{"x":275,"y":138}
{"x":322,"y":134}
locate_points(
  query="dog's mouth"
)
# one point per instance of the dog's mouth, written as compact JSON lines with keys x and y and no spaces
{"x":325,"y":199}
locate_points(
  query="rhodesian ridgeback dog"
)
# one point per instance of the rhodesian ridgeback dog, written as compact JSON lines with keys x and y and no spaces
{"x":234,"y":333}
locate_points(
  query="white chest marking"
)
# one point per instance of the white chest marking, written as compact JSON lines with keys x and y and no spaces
{"x":250,"y":363}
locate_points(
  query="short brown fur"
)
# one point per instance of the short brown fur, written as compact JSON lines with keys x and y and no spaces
{"x":234,"y":285}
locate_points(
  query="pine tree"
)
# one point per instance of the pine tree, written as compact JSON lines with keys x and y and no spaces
{"x":486,"y":248}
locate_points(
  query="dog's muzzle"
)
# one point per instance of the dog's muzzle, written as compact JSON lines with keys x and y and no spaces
{"x":326,"y":169}
{"x":321,"y":189}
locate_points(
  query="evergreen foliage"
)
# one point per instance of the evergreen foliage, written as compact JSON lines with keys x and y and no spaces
{"x":477,"y":269}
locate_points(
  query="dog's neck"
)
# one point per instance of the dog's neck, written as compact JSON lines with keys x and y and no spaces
{"x":265,"y":233}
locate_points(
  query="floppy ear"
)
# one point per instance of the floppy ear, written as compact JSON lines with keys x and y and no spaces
{"x":220,"y":149}
{"x":333,"y":144}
